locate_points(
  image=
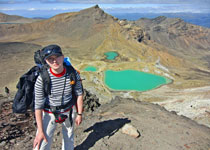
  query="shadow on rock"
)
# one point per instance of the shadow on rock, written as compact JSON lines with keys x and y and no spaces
{"x":100,"y":130}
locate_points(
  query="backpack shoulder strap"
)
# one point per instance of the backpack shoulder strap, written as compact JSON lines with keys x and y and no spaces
{"x":73,"y":76}
{"x":71,"y":72}
{"x":46,"y":80}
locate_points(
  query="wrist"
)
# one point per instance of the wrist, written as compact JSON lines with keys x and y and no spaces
{"x":79,"y":114}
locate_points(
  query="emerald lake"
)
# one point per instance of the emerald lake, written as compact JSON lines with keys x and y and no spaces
{"x":90,"y":68}
{"x":133,"y":80}
{"x":111,"y":55}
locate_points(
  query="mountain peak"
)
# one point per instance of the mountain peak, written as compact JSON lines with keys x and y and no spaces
{"x":96,"y":14}
{"x":96,"y":6}
{"x":159,"y":19}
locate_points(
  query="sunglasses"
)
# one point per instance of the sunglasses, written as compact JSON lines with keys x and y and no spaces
{"x":46,"y":52}
{"x":52,"y":59}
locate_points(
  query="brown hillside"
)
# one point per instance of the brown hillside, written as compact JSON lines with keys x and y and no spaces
{"x":68,"y":24}
{"x":16,"y":58}
{"x":86,"y":31}
{"x":182,"y":39}
{"x":4,"y":18}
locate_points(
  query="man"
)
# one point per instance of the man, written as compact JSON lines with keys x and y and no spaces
{"x":55,"y":108}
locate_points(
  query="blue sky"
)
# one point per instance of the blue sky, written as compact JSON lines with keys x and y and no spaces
{"x":48,"y":8}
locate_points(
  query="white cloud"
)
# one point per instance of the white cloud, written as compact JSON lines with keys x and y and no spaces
{"x":32,"y":9}
{"x":130,"y":1}
{"x":7,"y":9}
{"x":207,"y":2}
{"x":111,"y":5}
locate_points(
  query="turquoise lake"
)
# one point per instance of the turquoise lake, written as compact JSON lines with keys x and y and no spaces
{"x":90,"y":68}
{"x":133,"y":80}
{"x":111,"y":55}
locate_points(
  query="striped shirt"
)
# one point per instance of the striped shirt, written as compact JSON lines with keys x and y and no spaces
{"x":60,"y":85}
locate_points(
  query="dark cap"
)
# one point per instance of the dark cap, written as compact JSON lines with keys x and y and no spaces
{"x":51,"y":50}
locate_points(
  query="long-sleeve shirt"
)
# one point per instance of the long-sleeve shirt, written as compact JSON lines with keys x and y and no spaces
{"x":58,"y":90}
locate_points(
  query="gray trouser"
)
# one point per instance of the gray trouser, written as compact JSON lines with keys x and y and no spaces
{"x":49,"y":127}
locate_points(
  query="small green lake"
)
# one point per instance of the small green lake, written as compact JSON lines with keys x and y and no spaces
{"x":111,"y":55}
{"x":133,"y":80}
{"x":90,"y":68}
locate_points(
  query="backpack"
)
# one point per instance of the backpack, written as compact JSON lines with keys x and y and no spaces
{"x":25,"y":95}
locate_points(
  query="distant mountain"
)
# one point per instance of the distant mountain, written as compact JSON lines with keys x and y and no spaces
{"x":183,"y":39}
{"x":201,"y":19}
{"x":4,"y":18}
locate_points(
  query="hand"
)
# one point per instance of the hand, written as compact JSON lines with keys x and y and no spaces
{"x":38,"y":139}
{"x":78,"y":119}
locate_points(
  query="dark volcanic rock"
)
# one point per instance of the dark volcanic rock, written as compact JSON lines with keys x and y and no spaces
{"x":14,"y":128}
{"x":91,"y":102}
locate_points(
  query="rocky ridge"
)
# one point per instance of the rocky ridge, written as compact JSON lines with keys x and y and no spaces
{"x":182,"y":39}
{"x":104,"y":128}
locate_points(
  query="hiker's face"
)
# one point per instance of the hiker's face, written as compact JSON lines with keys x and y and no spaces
{"x":55,"y":62}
